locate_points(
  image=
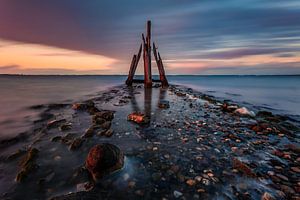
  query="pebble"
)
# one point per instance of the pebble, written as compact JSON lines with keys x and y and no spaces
{"x":191,"y":182}
{"x":177,"y":194}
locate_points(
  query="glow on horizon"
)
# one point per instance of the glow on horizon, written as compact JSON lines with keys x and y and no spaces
{"x":27,"y":57}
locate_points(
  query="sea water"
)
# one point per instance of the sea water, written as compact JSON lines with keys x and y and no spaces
{"x":279,"y":94}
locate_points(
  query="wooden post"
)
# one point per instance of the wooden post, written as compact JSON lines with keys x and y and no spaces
{"x":147,"y":57}
{"x":133,"y":66}
{"x":131,"y":74}
{"x":162,"y":76}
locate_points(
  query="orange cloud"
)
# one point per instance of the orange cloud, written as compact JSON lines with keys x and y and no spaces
{"x":33,"y":56}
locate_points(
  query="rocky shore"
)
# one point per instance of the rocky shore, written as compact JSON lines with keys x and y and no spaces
{"x":138,"y":143}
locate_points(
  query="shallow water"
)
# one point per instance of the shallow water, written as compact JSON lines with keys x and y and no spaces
{"x":280,"y":94}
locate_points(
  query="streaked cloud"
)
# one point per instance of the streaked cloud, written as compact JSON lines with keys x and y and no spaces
{"x":206,"y":34}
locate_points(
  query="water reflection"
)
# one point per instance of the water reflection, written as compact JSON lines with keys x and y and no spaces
{"x":149,"y":95}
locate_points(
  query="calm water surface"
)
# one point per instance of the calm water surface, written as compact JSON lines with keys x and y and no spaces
{"x":280,"y":94}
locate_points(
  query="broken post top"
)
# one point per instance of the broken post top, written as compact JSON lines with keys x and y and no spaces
{"x":146,"y":44}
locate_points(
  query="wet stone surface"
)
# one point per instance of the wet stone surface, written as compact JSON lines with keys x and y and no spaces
{"x":193,"y":146}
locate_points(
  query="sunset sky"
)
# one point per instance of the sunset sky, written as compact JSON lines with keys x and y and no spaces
{"x":193,"y":36}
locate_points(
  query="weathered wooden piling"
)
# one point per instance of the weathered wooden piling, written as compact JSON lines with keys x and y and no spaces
{"x":133,"y":66}
{"x":162,"y":76}
{"x":147,"y":62}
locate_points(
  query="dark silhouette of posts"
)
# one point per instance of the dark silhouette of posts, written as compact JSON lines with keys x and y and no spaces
{"x":147,"y":62}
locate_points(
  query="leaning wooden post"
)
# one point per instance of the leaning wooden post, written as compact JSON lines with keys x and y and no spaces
{"x":162,"y":75}
{"x":147,"y":57}
{"x":131,"y":73}
{"x":133,"y":66}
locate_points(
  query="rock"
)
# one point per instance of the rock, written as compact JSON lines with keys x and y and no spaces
{"x":89,"y":132}
{"x":65,"y":127}
{"x":138,"y":118}
{"x":295,"y":169}
{"x":267,"y":196}
{"x":243,"y":168}
{"x":107,"y":133}
{"x":106,"y":125}
{"x":83,"y":106}
{"x":191,"y":182}
{"x":293,"y":147}
{"x":105,"y":114}
{"x":86,"y":186}
{"x":228,"y":108}
{"x":55,"y":123}
{"x":104,"y":159}
{"x":97,"y":120}
{"x":15,"y":155}
{"x":27,"y":164}
{"x":177,"y":194}
{"x":180,"y":94}
{"x":264,"y":114}
{"x":56,"y":139}
{"x":76,"y":144}
{"x":164,"y":104}
{"x":245,"y":112}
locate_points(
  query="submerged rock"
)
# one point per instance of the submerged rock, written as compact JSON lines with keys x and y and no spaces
{"x":27,"y":164}
{"x":138,"y":118}
{"x":104,"y":159}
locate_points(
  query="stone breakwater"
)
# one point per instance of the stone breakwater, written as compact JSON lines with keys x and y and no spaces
{"x":137,"y":143}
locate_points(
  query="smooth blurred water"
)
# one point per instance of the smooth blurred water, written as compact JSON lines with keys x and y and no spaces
{"x":281,"y":94}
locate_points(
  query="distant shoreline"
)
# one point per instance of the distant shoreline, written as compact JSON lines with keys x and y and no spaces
{"x":153,"y":75}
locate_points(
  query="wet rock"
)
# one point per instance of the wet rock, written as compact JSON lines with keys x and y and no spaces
{"x":244,"y":112}
{"x":295,"y":169}
{"x":55,"y":123}
{"x":107,"y":133}
{"x":76,"y":144}
{"x":177,"y":194}
{"x":243,"y":168}
{"x":138,"y":118}
{"x":65,"y":127}
{"x":264,"y":114}
{"x":56,"y":139}
{"x":27,"y":164}
{"x":86,"y":186}
{"x":180,"y":94}
{"x":89,"y":132}
{"x":104,"y":159}
{"x":191,"y":182}
{"x":164,"y":104}
{"x":97,"y":120}
{"x":68,"y":138}
{"x":105,"y":114}
{"x":83,"y":106}
{"x":106,"y":125}
{"x":15,"y":155}
{"x":228,"y":108}
{"x":294,"y":148}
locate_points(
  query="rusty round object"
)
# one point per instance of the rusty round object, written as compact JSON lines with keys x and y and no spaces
{"x":103,"y":159}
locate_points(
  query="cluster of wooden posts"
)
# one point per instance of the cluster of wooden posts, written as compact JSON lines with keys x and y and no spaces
{"x":146,"y":46}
